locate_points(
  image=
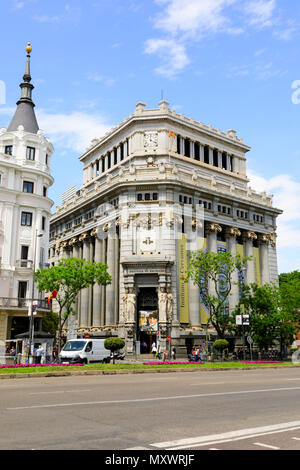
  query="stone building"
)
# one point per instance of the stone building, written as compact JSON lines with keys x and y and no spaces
{"x":155,"y":187}
{"x":25,"y":210}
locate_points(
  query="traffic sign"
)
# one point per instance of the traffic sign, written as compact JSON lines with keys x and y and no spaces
{"x":250,"y":339}
{"x":87,"y":336}
{"x":169,"y":338}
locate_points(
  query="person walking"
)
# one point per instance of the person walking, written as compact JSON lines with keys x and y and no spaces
{"x":154,"y":349}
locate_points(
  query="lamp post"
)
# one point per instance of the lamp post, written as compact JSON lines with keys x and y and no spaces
{"x":31,"y":323}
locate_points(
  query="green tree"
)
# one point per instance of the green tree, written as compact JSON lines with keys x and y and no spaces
{"x":68,"y":278}
{"x":114,"y":344}
{"x":50,"y":322}
{"x":213,"y":273}
{"x":270,"y":321}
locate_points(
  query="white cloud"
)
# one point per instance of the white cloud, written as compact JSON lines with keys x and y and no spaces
{"x":74,"y":130}
{"x":260,"y":12}
{"x":286,"y":192}
{"x":172,"y":53}
{"x":183,"y":22}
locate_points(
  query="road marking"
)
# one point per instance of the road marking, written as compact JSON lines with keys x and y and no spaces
{"x":143,"y":400}
{"x":208,"y":383}
{"x":296,"y":438}
{"x":60,"y":391}
{"x":213,"y":448}
{"x":266,"y":445}
{"x":227,"y":437}
{"x":137,"y":448}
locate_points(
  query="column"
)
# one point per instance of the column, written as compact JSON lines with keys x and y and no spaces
{"x":231,"y":234}
{"x":118,"y":154}
{"x":116,"y":280}
{"x":228,"y":162}
{"x":201,"y":150}
{"x":110,"y":289}
{"x":264,"y":258}
{"x":97,"y":290}
{"x":90,"y":289}
{"x":211,"y":156}
{"x":84,"y":313}
{"x":248,"y":238}
{"x":192,"y":149}
{"x":220,"y":160}
{"x":125,"y":149}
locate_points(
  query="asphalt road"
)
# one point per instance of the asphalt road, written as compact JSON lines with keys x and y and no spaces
{"x":257,"y":409}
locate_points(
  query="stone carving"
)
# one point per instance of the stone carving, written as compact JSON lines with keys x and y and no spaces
{"x":94,"y":232}
{"x":129,"y":300}
{"x":272,"y":238}
{"x":106,"y":227}
{"x":264,"y":238}
{"x":73,"y":241}
{"x":251,"y":235}
{"x":57,"y":246}
{"x":83,"y":236}
{"x":162,"y":305}
{"x":169,"y":307}
{"x":196,"y":223}
{"x":234,"y":232}
{"x":214,"y":228}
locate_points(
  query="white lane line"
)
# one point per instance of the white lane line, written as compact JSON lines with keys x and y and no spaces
{"x":296,"y":438}
{"x":59,"y":391}
{"x":143,"y":400}
{"x":208,"y":383}
{"x":213,"y":448}
{"x":228,"y":436}
{"x":266,"y":445}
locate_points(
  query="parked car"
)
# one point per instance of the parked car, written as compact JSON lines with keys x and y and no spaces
{"x":84,"y":351}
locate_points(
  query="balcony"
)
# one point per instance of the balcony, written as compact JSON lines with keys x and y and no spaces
{"x":8,"y":302}
{"x":24,"y":263}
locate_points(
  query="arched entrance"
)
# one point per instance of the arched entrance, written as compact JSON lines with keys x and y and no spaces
{"x":147,"y":321}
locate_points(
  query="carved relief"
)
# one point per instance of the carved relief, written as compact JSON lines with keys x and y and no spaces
{"x":272,"y":238}
{"x":234,"y":232}
{"x":215,"y":228}
{"x":251,"y":235}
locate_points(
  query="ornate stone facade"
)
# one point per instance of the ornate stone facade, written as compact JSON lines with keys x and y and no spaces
{"x":148,"y":199}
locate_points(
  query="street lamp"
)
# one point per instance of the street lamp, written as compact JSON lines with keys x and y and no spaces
{"x":31,"y":323}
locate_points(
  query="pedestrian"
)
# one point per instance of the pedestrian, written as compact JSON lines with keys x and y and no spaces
{"x":195,"y":354}
{"x":38,"y":354}
{"x":154,"y":349}
{"x":166,"y":353}
{"x":158,"y":352}
{"x":174,"y":353}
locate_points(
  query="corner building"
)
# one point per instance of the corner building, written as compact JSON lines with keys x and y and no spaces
{"x":155,"y":187}
{"x":25,"y":210}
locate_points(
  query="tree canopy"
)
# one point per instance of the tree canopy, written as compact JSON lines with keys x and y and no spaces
{"x":67,"y":279}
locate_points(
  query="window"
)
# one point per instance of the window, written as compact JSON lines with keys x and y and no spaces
{"x":26,"y":219}
{"x":197,"y":151}
{"x":46,"y":159}
{"x":69,"y":225}
{"x":28,"y":187}
{"x":22,"y":289}
{"x":24,"y":252}
{"x":147,"y":197}
{"x":155,"y":197}
{"x":224,"y":161}
{"x":30,"y":153}
{"x":78,"y":220}
{"x":8,"y":150}
{"x":89,"y":215}
{"x":206,"y":154}
{"x":44,"y":191}
{"x":215,"y":158}
{"x":43,"y":223}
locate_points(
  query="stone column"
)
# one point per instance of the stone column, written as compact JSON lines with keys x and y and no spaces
{"x":211,"y":156}
{"x":84,"y":313}
{"x":264,"y":258}
{"x":231,"y":234}
{"x":248,"y":238}
{"x":192,"y":149}
{"x":97,"y":290}
{"x":220,"y":160}
{"x":201,"y":151}
{"x":212,"y":229}
{"x":110,"y":289}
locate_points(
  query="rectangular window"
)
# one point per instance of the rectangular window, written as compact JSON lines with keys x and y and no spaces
{"x":26,"y":219}
{"x":22,"y":289}
{"x":43,"y":223}
{"x":8,"y":149}
{"x":206,"y":154}
{"x":155,"y":197}
{"x":44,"y":191}
{"x":46,"y":159}
{"x":24,"y":252}
{"x":30,"y":153}
{"x":28,"y":187}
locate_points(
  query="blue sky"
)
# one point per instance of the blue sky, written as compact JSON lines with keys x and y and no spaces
{"x":229,"y":63}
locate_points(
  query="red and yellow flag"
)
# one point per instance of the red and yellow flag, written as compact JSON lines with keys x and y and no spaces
{"x":52,"y":296}
{"x":171,"y":134}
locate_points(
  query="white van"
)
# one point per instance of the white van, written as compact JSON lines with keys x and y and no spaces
{"x":84,"y":351}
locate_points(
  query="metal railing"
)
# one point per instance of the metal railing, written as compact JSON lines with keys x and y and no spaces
{"x":8,"y":302}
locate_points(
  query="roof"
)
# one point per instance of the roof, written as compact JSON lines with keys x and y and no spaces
{"x":24,"y":116}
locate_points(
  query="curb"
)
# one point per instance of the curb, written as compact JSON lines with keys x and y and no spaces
{"x":134,"y":371}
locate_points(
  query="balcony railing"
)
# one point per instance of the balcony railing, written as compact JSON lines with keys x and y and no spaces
{"x":8,"y":302}
{"x":24,"y":263}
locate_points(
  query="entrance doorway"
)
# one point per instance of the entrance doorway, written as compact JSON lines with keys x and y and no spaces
{"x":147,"y":324}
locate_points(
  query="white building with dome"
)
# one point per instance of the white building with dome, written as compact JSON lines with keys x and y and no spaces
{"x":25,"y":209}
